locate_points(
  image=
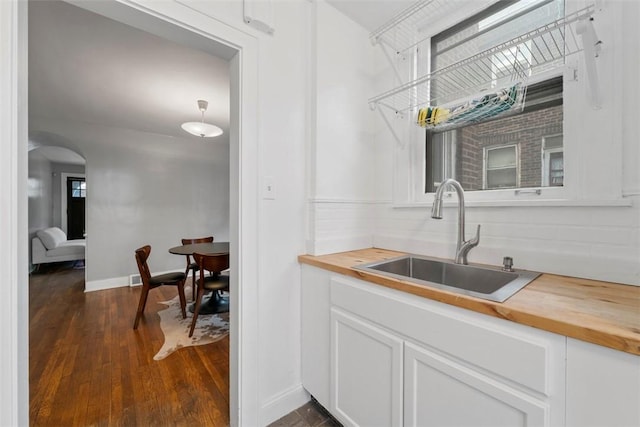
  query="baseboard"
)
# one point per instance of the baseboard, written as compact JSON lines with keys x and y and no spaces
{"x":100,"y":285}
{"x":132,"y":280}
{"x":283,"y":403}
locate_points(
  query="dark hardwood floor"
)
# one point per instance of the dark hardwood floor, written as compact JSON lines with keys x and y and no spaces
{"x":89,"y":367}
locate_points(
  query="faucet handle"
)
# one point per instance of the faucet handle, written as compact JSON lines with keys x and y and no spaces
{"x":475,"y":240}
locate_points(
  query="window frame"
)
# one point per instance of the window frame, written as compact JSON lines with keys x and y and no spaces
{"x":485,"y":164}
{"x":586,"y":182}
{"x":546,"y":160}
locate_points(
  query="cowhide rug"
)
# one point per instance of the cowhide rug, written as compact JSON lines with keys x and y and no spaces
{"x":209,"y":327}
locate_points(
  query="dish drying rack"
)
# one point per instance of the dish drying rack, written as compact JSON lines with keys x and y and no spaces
{"x":490,"y":84}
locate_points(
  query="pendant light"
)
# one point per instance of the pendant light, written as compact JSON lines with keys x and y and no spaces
{"x":202,"y":129}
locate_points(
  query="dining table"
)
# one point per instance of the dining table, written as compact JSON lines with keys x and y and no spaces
{"x":215,"y":303}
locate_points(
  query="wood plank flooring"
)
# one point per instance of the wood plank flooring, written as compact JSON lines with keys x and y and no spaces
{"x":88,"y":367}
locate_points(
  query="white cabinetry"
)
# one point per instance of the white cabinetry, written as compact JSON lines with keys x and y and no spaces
{"x":603,"y":386}
{"x":375,"y":356}
{"x":440,"y":392}
{"x":315,"y":325}
{"x":366,"y":373}
{"x":458,"y":367}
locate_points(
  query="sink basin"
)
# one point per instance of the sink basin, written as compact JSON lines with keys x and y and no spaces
{"x":481,"y":282}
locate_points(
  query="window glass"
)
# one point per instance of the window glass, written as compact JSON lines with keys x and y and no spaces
{"x":517,"y":151}
{"x":78,"y":189}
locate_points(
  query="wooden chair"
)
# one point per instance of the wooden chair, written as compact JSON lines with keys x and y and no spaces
{"x":149,"y":282}
{"x":213,"y":263}
{"x":192,"y":265}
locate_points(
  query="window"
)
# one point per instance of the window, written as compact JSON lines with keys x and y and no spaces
{"x":78,"y":189}
{"x":553,"y":160}
{"x":518,"y":151}
{"x":501,"y":167}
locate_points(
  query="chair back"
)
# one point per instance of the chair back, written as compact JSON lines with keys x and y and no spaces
{"x":214,"y":263}
{"x":142,"y":254}
{"x":208,"y":239}
{"x":198,"y":240}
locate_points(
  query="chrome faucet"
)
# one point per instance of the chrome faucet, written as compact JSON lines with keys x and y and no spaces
{"x":463,"y":247}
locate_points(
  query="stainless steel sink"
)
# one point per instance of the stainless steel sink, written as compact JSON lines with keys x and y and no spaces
{"x":481,"y":282}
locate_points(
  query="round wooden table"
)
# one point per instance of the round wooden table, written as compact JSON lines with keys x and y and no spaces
{"x":213,"y":304}
{"x":201,"y":248}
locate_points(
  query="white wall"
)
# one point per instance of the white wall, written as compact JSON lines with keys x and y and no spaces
{"x":600,"y":242}
{"x":280,"y":123}
{"x":143,"y":189}
{"x":39,"y":192}
{"x":342,"y":175}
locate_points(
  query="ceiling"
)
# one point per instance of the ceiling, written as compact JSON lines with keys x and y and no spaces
{"x":60,"y":155}
{"x":370,"y":14}
{"x":86,"y":68}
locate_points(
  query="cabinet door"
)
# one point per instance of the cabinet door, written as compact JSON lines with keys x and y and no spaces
{"x":440,"y":392}
{"x":603,"y":386}
{"x":366,"y":373}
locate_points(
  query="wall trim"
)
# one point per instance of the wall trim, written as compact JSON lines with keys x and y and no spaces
{"x":14,"y":257}
{"x":281,"y":404}
{"x":103,"y":284}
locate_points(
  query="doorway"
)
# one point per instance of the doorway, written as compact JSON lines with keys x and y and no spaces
{"x":176,"y":19}
{"x":76,"y":192}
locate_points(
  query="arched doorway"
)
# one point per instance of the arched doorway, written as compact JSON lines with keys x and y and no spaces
{"x":56,"y":196}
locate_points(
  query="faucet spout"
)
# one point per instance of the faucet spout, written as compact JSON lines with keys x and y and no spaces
{"x":462,"y":247}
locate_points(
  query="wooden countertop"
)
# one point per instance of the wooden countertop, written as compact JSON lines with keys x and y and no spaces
{"x":602,"y":313}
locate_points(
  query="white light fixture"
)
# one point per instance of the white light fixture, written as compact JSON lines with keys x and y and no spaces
{"x":201,"y":128}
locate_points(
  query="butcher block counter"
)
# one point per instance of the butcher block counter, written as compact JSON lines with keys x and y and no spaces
{"x":602,"y":313}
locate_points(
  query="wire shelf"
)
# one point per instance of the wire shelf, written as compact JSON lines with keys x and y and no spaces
{"x":402,"y":31}
{"x":504,"y":66}
{"x":500,"y":103}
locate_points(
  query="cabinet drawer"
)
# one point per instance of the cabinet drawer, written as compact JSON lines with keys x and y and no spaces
{"x":495,"y":346}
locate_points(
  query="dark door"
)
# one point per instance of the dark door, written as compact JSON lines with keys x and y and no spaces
{"x":76,"y":194}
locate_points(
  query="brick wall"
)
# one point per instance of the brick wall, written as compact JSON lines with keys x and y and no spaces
{"x":525,"y":130}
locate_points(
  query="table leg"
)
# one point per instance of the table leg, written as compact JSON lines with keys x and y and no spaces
{"x":212,"y":305}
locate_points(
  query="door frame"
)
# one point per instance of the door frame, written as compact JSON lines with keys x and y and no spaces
{"x":63,"y":197}
{"x":244,"y":229}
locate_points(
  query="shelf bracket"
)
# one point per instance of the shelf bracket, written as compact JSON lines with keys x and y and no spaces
{"x":391,"y":129}
{"x":394,"y":66}
{"x":592,"y":46}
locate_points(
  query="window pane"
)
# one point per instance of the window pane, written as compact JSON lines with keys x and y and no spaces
{"x":501,"y":178}
{"x":527,"y":130}
{"x":490,"y":29}
{"x":501,"y":157}
{"x":475,"y":36}
{"x":556,"y":169}
{"x":468,"y":154}
{"x":78,"y":189}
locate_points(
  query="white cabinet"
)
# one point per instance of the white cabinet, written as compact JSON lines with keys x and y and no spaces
{"x":603,"y":386}
{"x":366,"y":373}
{"x":401,"y":360}
{"x":439,"y":392}
{"x":375,"y":356}
{"x":315,"y":325}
